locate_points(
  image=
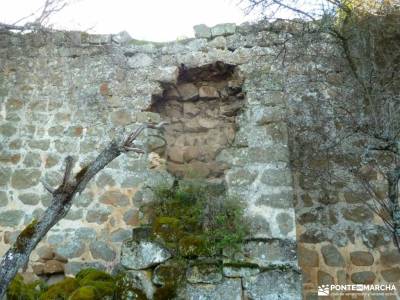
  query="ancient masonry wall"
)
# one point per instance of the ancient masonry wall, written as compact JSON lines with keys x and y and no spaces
{"x":70,"y":93}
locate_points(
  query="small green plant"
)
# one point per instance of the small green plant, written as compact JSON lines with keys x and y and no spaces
{"x":198,"y":218}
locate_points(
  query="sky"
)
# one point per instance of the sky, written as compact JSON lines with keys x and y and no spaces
{"x":153,"y":20}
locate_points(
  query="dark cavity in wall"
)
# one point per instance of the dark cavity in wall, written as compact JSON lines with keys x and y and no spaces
{"x":201,"y":110}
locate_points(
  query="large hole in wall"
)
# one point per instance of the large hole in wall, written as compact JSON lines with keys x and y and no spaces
{"x":201,"y":110}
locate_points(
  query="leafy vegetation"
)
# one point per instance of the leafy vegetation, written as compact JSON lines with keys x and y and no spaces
{"x":197,"y":218}
{"x":89,"y":284}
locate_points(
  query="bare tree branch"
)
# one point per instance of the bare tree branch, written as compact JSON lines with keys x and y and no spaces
{"x":18,"y":255}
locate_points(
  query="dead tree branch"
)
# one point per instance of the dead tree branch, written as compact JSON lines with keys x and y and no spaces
{"x":18,"y":255}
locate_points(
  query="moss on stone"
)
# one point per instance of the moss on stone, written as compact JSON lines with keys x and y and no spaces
{"x":85,"y":293}
{"x":61,"y":290}
{"x":26,"y":234}
{"x":124,"y":290}
{"x":19,"y":290}
{"x":103,"y":283}
{"x":167,"y":292}
{"x":197,"y":208}
{"x":167,"y":228}
{"x":193,"y":246}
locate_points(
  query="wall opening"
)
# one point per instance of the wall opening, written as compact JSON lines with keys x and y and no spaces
{"x":201,"y":110}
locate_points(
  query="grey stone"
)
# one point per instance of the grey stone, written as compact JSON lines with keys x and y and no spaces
{"x":11,"y":218}
{"x":104,"y":180}
{"x":139,"y":255}
{"x":240,"y":271}
{"x":98,"y":215}
{"x":285,"y":223}
{"x":7,"y":130}
{"x":374,"y":236}
{"x":364,"y":277}
{"x":332,"y":256}
{"x":101,"y":250}
{"x":140,"y":60}
{"x":229,"y":289}
{"x":74,"y":214}
{"x":223,"y":29}
{"x":265,"y":252}
{"x":3,"y":198}
{"x":276,"y":177}
{"x":274,"y":285}
{"x":55,"y":239}
{"x":32,"y":160}
{"x":121,"y":38}
{"x":120,"y":235}
{"x":25,"y":178}
{"x":204,"y":273}
{"x":29,"y":198}
{"x":71,"y":248}
{"x":85,"y":234}
{"x":5,"y":175}
{"x":83,"y":200}
{"x":39,"y":144}
{"x":202,"y":31}
{"x":140,"y":280}
{"x":99,"y":39}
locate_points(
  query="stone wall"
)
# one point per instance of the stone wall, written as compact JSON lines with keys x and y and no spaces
{"x":70,"y":93}
{"x":340,"y":239}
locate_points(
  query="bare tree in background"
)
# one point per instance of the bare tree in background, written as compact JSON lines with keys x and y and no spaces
{"x":367,"y":33}
{"x":40,"y":18}
{"x":18,"y":255}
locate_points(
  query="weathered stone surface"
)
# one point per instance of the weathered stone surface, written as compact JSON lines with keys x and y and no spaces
{"x":325,"y":278}
{"x":11,"y":218}
{"x":29,"y":198}
{"x":114,"y":198}
{"x":272,"y":285}
{"x":361,"y":258}
{"x":357,"y":214}
{"x":285,"y":223}
{"x":266,"y":252}
{"x":229,"y":289}
{"x":140,"y":280}
{"x":391,"y":275}
{"x":5,"y":174}
{"x":204,"y":273}
{"x":71,"y":248}
{"x":170,"y":271}
{"x":308,"y":257}
{"x":3,"y":198}
{"x":102,"y":250}
{"x":223,"y":29}
{"x":240,"y":271}
{"x":139,"y":255}
{"x":202,"y":31}
{"x":98,"y":215}
{"x":390,"y":257}
{"x":208,"y":92}
{"x":140,"y":60}
{"x":374,"y":236}
{"x":363,"y":277}
{"x":187,"y":91}
{"x":53,"y":267}
{"x":25,"y":178}
{"x":332,"y":256}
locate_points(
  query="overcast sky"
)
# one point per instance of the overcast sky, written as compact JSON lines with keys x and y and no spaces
{"x":155,"y":20}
